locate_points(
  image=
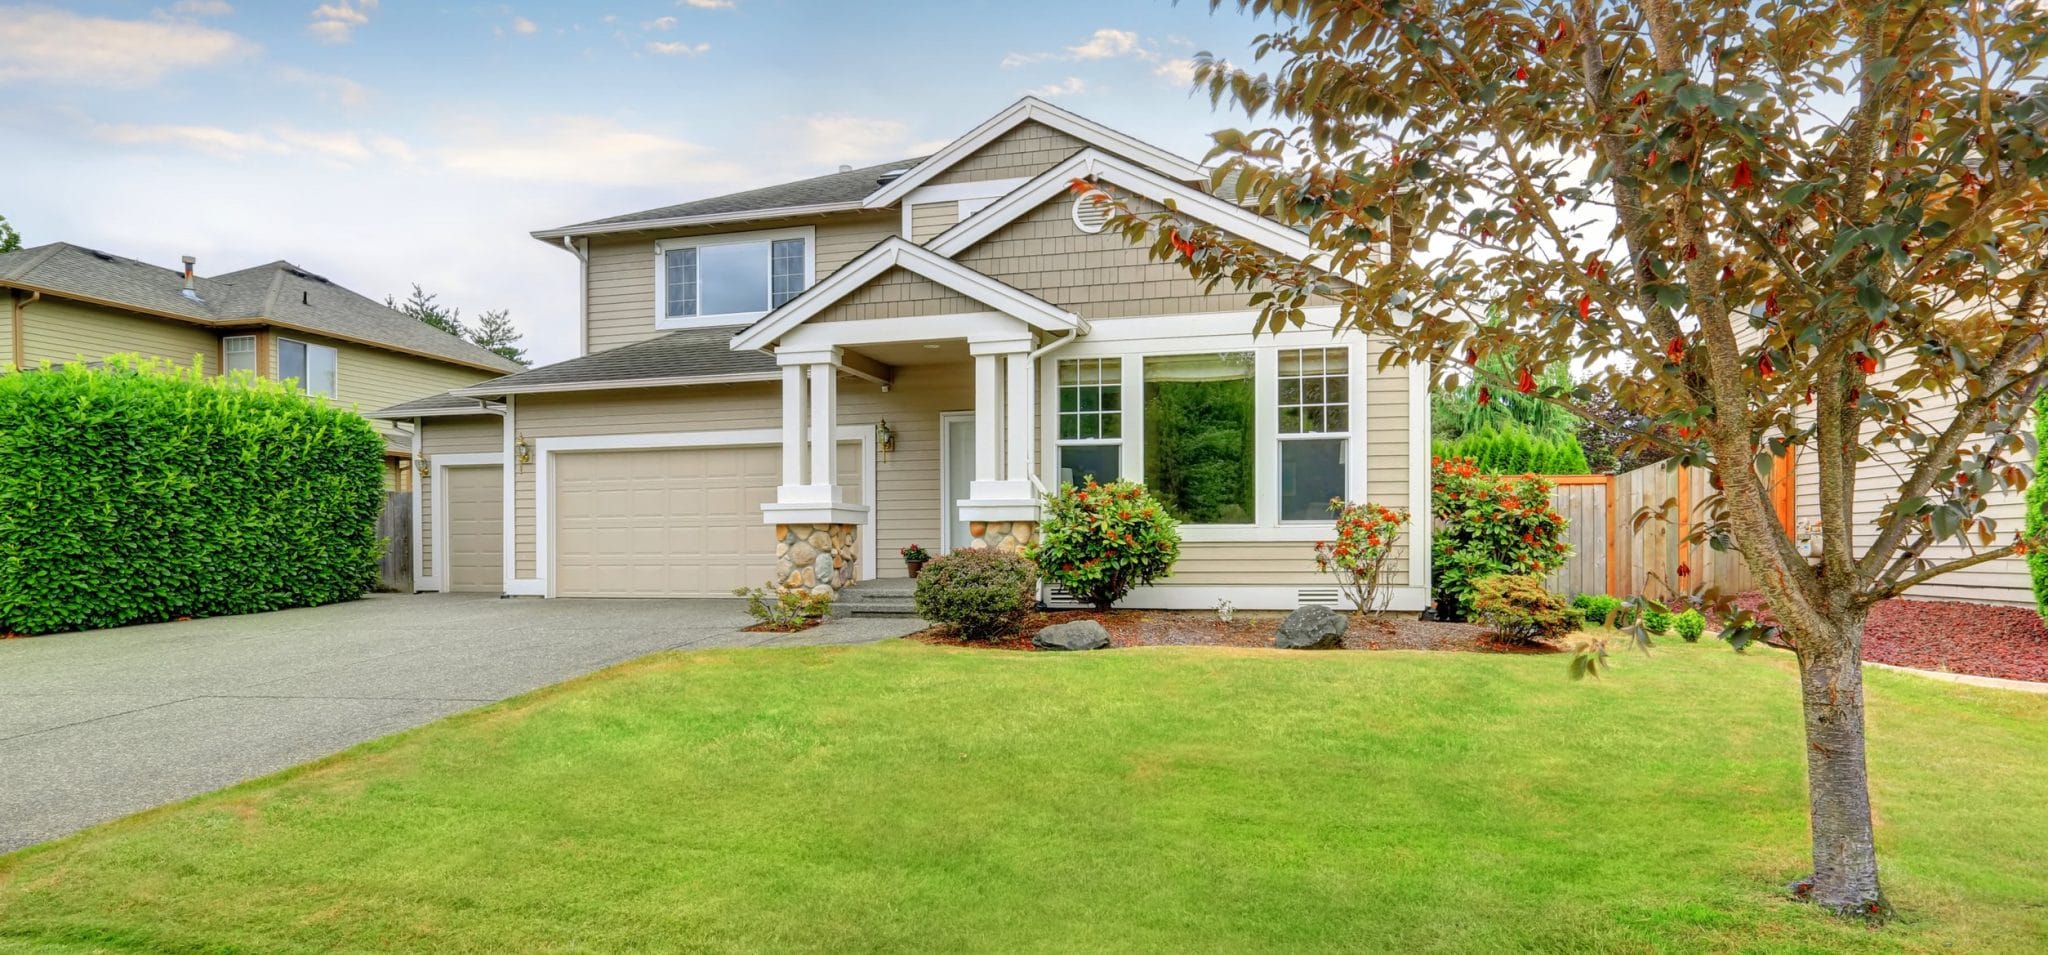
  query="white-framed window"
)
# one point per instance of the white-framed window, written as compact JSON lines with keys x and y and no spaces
{"x":238,"y":353}
{"x":730,"y":279}
{"x":314,"y":367}
{"x":1314,"y":424}
{"x":1091,"y":420}
{"x":1201,"y":436}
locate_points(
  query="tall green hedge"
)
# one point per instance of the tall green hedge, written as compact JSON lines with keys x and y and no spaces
{"x":1514,"y":451}
{"x":2037,"y":506}
{"x":140,"y":492}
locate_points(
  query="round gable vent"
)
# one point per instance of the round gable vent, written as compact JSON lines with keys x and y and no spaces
{"x":1091,"y":211}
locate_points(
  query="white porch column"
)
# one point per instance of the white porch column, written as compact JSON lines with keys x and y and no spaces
{"x":792,"y":425}
{"x":988,"y":419}
{"x":824,"y":424}
{"x":1020,"y":386}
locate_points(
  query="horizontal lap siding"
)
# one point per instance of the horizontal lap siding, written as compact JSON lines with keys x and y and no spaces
{"x":928,"y":219}
{"x":481,"y":435}
{"x":621,"y":273}
{"x":1027,"y":150}
{"x":58,"y":331}
{"x":367,"y":379}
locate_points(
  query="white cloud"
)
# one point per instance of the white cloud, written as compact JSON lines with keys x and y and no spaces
{"x":829,"y":139}
{"x":1176,"y":70}
{"x":524,"y":27}
{"x":41,"y":44}
{"x":212,"y":140}
{"x":336,"y":22}
{"x":660,"y":23}
{"x":1104,"y":44}
{"x":679,"y":48}
{"x":708,"y":4}
{"x":1071,"y":86}
{"x":1013,"y":60}
{"x":587,"y":150}
{"x":202,"y":8}
{"x":340,"y":89}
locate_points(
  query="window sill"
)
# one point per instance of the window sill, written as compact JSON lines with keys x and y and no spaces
{"x":666,"y":323}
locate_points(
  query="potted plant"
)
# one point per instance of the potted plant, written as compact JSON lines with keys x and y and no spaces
{"x":914,"y":557}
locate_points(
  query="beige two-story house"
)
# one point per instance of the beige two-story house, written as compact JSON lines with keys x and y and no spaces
{"x":67,"y":303}
{"x":789,"y":384}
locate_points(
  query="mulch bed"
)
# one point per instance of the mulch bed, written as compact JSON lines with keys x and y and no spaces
{"x":2006,"y":642}
{"x":1201,"y":628}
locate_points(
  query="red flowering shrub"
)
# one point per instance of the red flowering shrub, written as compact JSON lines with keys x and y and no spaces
{"x":1364,"y":546}
{"x":1100,"y":540}
{"x":1489,"y":525}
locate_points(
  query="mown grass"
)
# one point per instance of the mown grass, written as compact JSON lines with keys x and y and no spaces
{"x":903,"y":797}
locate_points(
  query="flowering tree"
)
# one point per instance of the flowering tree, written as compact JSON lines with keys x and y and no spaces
{"x":1366,"y":534}
{"x":1760,"y":226}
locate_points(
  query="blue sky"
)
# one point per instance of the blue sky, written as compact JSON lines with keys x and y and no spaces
{"x":383,"y":143}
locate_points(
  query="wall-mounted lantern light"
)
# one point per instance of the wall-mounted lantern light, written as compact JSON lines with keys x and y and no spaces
{"x":521,"y":451}
{"x":885,"y":437}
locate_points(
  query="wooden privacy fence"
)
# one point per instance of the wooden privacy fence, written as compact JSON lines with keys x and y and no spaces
{"x":1613,"y":554}
{"x":394,"y":526}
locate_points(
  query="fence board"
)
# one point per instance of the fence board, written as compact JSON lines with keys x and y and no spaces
{"x":1583,"y":502}
{"x":394,"y":570}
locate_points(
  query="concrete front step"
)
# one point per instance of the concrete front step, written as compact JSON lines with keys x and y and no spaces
{"x":879,"y":598}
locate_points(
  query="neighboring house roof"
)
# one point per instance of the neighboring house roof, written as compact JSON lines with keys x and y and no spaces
{"x":279,"y":293}
{"x":433,"y":406}
{"x":685,"y":357}
{"x":839,"y":191}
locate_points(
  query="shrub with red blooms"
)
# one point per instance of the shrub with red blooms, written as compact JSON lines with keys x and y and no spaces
{"x":1366,"y":534}
{"x":1489,"y":525}
{"x":1100,"y":540}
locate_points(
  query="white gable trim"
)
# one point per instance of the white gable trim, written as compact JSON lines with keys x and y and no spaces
{"x":1098,"y":166}
{"x":1033,"y":109}
{"x":898,"y":252}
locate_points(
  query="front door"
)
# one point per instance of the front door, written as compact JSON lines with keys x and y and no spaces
{"x":956,"y":473}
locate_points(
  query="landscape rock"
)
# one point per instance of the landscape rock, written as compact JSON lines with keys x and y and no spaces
{"x":1311,"y":628}
{"x":1075,"y":635}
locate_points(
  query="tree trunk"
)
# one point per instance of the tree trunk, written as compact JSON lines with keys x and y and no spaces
{"x":1844,"y":879}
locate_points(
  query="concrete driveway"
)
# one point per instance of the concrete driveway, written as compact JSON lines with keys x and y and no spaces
{"x":94,"y":726}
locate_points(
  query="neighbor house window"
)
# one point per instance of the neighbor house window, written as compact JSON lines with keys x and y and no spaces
{"x":1315,"y":418}
{"x":731,"y":278}
{"x":312,"y":366}
{"x":1091,"y":419}
{"x":238,"y":353}
{"x":1201,"y":454}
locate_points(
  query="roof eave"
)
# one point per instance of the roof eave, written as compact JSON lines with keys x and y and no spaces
{"x":677,"y":222}
{"x":615,"y":384}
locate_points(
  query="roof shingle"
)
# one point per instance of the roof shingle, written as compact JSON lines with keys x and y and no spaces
{"x":850,"y":186}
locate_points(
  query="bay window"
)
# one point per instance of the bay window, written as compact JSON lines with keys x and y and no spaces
{"x":1091,"y":424}
{"x":1201,"y":450}
{"x":729,"y":279}
{"x":314,"y":367}
{"x":1314,"y":413}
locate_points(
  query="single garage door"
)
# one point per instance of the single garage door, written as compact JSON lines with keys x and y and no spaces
{"x":476,"y":529}
{"x":673,"y":522}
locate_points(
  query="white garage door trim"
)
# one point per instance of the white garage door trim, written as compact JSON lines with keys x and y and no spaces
{"x":441,"y":579}
{"x":544,"y":450}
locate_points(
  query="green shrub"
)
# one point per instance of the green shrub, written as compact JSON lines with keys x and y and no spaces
{"x":1513,"y":450}
{"x":1489,"y":525}
{"x":2037,"y":508}
{"x":1690,"y":625}
{"x":1364,"y":547}
{"x":979,"y":593}
{"x":1600,"y":609}
{"x":1519,"y":610}
{"x":1100,"y":540}
{"x":1657,"y":621}
{"x":139,"y":492}
{"x":786,"y":609}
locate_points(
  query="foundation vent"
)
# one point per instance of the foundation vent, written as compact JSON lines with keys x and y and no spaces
{"x":1058,"y":598}
{"x":1329,"y":597}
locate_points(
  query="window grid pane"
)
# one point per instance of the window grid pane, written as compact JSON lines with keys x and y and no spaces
{"x":1091,"y":399}
{"x":1314,"y":391}
{"x":241,"y":353}
{"x":682,"y":282}
{"x":786,"y":270}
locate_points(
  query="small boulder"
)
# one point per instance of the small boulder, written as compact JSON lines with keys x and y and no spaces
{"x":1077,"y":635}
{"x":1311,"y":628}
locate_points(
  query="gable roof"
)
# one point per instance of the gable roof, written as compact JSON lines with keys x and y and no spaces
{"x":278,"y":293}
{"x":898,"y":252}
{"x":684,"y":357}
{"x":1031,"y":109}
{"x":833,"y":192}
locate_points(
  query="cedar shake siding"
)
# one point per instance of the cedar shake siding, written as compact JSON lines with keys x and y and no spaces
{"x":900,"y":294}
{"x":1023,"y":152}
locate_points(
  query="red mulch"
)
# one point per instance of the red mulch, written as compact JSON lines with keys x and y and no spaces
{"x":1201,"y":628}
{"x":1948,"y":635}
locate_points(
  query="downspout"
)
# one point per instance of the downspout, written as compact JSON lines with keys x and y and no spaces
{"x":1047,"y":349}
{"x":419,"y":493}
{"x":582,"y":253}
{"x":19,"y":332}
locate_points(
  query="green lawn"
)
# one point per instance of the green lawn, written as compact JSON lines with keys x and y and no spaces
{"x":909,"y":797}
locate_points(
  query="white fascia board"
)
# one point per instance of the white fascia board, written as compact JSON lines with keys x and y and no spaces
{"x":1029,"y":109}
{"x":1100,"y":167}
{"x":616,"y":384}
{"x":898,"y":252}
{"x":709,"y":218}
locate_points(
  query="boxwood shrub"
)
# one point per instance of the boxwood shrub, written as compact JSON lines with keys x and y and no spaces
{"x":139,"y":492}
{"x":981,"y":593}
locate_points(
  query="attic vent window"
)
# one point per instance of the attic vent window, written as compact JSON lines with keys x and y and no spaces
{"x":1091,"y":211}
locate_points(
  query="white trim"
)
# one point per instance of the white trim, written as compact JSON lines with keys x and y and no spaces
{"x":1421,"y":553}
{"x":1171,"y":596}
{"x":545,"y":449}
{"x":581,"y":249}
{"x":419,"y":494}
{"x":1033,"y":109}
{"x":899,"y":252}
{"x":309,"y":347}
{"x":768,"y":237}
{"x":480,"y":409}
{"x":484,"y":391}
{"x":946,"y":419}
{"x":1100,"y":167}
{"x":442,"y":580}
{"x":712,"y":218}
{"x":513,"y":585}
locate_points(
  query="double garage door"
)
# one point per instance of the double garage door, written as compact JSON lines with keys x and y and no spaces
{"x":672,"y":522}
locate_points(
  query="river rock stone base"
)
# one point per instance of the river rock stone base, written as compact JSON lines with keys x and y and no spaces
{"x":820,"y":559}
{"x":1002,"y":535}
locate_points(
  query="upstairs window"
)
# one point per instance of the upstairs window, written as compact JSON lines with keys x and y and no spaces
{"x":314,"y":367}
{"x":729,"y":279}
{"x":238,"y":353}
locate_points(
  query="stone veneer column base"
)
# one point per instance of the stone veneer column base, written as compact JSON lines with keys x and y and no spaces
{"x":1011,"y":536}
{"x":820,"y":559}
